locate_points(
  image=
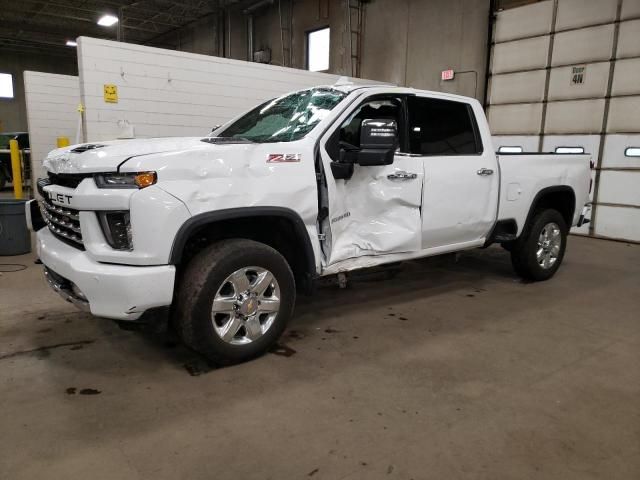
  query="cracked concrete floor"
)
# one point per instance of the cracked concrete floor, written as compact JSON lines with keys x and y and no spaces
{"x":450,"y":370}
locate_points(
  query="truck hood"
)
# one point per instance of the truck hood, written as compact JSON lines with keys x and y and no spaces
{"x":107,"y":156}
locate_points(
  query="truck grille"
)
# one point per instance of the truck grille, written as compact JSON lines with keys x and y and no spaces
{"x":63,"y":222}
{"x":70,"y":180}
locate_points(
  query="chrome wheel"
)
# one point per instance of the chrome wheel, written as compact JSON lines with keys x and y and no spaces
{"x":246,"y":305}
{"x":549,"y":243}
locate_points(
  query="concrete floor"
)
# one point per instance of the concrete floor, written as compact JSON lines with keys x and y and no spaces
{"x":448,"y":371}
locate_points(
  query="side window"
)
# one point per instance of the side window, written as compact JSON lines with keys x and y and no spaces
{"x":442,"y":127}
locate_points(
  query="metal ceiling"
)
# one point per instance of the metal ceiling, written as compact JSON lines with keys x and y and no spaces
{"x":44,"y":26}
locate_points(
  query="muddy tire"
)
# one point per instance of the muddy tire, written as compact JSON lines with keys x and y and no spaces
{"x":538,"y":253}
{"x":234,"y":300}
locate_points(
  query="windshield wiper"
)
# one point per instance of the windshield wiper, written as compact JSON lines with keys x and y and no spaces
{"x":219,"y":140}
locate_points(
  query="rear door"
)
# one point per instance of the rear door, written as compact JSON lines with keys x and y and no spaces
{"x":461,"y":178}
{"x":377,"y":210}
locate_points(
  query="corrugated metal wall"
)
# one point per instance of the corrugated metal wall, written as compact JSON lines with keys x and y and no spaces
{"x":564,"y":73}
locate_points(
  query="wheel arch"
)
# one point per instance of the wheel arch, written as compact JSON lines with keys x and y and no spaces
{"x":278,"y":227}
{"x":559,"y":197}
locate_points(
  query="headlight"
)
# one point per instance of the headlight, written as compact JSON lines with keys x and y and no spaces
{"x":126,"y":180}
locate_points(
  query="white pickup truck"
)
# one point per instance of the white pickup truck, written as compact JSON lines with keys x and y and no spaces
{"x":222,"y":231}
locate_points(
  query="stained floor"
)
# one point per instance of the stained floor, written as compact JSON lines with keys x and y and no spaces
{"x":452,"y":369}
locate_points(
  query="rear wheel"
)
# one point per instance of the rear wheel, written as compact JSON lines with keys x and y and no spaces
{"x":539,"y":251}
{"x":235,"y":300}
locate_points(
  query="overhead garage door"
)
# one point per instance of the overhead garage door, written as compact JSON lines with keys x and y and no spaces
{"x":564,"y":77}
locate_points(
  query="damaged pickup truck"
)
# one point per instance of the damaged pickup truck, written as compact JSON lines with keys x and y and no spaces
{"x":222,"y":231}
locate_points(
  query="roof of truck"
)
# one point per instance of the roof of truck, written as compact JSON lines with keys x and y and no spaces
{"x":348,"y":87}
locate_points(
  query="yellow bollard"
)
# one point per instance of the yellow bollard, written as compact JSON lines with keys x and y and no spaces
{"x":62,"y":142}
{"x":16,"y":169}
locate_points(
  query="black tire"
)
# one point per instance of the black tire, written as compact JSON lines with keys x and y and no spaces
{"x":205,"y":275}
{"x":525,"y":248}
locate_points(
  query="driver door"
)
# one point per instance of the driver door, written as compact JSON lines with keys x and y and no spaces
{"x":377,"y":210}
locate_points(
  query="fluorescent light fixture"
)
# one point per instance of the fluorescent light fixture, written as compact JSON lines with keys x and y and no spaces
{"x":569,"y":149}
{"x":107,"y":20}
{"x":510,"y":149}
{"x":632,"y":152}
{"x":71,"y":43}
{"x":6,"y":85}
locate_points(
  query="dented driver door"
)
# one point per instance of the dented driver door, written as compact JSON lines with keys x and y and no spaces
{"x":376,"y":211}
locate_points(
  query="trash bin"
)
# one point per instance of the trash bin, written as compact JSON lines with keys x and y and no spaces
{"x":15,"y":238}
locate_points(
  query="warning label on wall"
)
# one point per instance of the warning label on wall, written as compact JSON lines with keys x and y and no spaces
{"x":110,"y":93}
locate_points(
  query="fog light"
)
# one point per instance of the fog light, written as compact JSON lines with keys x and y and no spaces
{"x":78,"y":293}
{"x":117,"y":229}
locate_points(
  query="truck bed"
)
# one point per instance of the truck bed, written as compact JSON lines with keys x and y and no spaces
{"x":525,"y":175}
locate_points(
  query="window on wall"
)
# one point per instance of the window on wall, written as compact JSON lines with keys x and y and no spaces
{"x":318,"y":50}
{"x":508,"y":149}
{"x":569,"y":149}
{"x":442,"y":127}
{"x":6,"y":85}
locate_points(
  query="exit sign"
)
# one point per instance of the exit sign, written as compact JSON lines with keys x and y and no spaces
{"x":447,"y":75}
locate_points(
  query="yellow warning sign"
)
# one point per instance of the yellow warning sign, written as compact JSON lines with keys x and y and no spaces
{"x":110,"y":93}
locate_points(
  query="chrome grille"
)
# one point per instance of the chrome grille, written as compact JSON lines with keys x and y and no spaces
{"x":63,"y":222}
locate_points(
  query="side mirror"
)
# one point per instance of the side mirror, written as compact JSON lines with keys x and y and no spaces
{"x":378,"y":143}
{"x":379,"y":134}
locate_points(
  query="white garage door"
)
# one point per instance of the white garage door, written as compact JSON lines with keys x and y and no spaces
{"x":564,"y":77}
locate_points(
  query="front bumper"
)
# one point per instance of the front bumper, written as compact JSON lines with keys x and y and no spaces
{"x":121,"y":292}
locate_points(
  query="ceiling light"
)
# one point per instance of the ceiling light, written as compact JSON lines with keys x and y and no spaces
{"x":71,"y":43}
{"x":107,"y":20}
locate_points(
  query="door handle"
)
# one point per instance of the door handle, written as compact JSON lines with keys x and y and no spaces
{"x":402,"y":176}
{"x":485,"y":172}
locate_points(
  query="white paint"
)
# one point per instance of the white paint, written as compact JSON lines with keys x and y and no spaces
{"x":112,"y":290}
{"x":536,"y":172}
{"x":371,"y":219}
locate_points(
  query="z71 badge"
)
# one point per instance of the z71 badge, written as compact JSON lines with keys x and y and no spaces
{"x":283,"y":157}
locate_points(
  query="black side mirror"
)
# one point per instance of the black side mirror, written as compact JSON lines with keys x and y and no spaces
{"x":379,"y":134}
{"x":378,"y":142}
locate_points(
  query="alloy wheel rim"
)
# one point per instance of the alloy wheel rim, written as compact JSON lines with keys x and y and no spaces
{"x":246,"y":305}
{"x":549,"y":243}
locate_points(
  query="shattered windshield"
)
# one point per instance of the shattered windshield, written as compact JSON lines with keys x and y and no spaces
{"x":285,"y":119}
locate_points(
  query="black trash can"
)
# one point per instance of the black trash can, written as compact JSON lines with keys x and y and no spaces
{"x":15,"y":238}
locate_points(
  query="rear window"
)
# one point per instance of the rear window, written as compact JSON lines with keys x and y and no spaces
{"x":442,"y":127}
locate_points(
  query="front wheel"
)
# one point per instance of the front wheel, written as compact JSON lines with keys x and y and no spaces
{"x":539,"y":251}
{"x":234,"y":301}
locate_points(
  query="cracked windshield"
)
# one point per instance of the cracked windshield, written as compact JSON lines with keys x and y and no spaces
{"x":285,"y":119}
